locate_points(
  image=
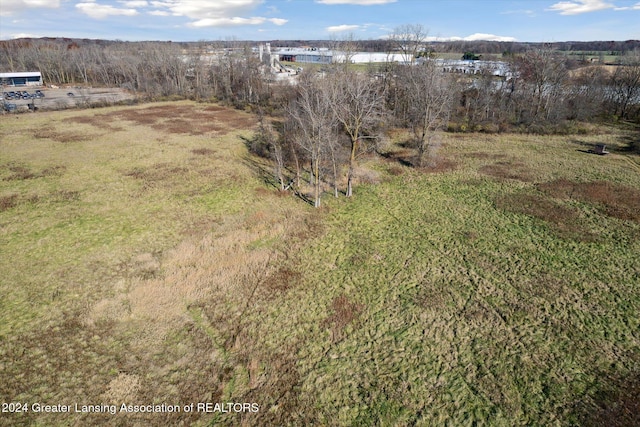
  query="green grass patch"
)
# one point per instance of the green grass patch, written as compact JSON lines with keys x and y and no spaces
{"x":469,"y":298}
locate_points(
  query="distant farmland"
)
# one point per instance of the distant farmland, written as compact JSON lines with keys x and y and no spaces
{"x":148,"y":260}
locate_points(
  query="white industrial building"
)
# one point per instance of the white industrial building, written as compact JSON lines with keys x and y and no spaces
{"x":28,"y":78}
{"x":326,"y":56}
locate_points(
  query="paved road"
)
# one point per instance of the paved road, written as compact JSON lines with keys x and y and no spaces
{"x":61,"y":98}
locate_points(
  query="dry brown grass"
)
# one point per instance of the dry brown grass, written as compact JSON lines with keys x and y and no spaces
{"x":484,"y":155}
{"x":205,"y":288}
{"x":183,"y":119}
{"x":203,"y":151}
{"x":157,"y":172}
{"x":19,"y":172}
{"x":97,"y":121}
{"x":62,"y":136}
{"x":508,"y":170}
{"x":613,"y":199}
{"x":563,"y":219}
{"x":615,"y":404}
{"x":344,"y":313}
{"x":440,"y":165}
{"x":7,"y":202}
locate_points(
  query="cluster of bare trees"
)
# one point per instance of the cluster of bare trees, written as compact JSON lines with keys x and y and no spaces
{"x":151,"y":69}
{"x":327,"y":124}
{"x":331,"y":119}
{"x":544,"y":93}
{"x":422,"y":102}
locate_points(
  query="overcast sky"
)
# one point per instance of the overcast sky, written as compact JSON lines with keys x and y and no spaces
{"x":193,"y":20}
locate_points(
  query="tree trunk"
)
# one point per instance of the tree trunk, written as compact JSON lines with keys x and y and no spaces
{"x":316,"y":184}
{"x":352,"y":160}
{"x":335,"y":174}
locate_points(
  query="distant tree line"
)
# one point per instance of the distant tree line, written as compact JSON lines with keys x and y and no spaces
{"x":546,"y":89}
{"x":486,"y":46}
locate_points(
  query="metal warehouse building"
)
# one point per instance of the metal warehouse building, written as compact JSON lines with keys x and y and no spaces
{"x":318,"y":56}
{"x":28,"y":78}
{"x":326,"y":56}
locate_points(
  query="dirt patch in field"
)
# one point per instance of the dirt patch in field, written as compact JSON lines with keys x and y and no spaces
{"x":19,"y":172}
{"x":344,"y":313}
{"x":615,"y":403}
{"x":203,"y":151}
{"x":97,"y":121}
{"x":61,"y":136}
{"x":7,"y":202}
{"x":181,"y":119}
{"x":612,"y":199}
{"x":281,"y":281}
{"x":483,"y":155}
{"x":564,"y":220}
{"x":439,"y":165}
{"x":158,"y":174}
{"x":431,"y":297}
{"x":60,"y":196}
{"x":508,"y":170}
{"x":215,"y":108}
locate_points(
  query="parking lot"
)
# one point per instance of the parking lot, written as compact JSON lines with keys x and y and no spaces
{"x":45,"y":98}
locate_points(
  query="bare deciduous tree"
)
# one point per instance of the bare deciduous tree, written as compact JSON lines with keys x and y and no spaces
{"x":314,"y":123}
{"x":344,"y":49}
{"x":357,"y":102}
{"x":428,"y":101}
{"x":409,"y":39}
{"x":625,"y":85}
{"x":543,"y":74}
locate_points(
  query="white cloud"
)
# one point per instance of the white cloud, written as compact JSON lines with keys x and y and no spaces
{"x":527,"y":12}
{"x":100,"y":11}
{"x":9,"y":7}
{"x":341,"y":28}
{"x":356,"y":2}
{"x":22,"y":36}
{"x":278,"y":21}
{"x":634,"y":7}
{"x":219,"y":13}
{"x":134,"y":3}
{"x":474,"y":37}
{"x":235,"y":21}
{"x":490,"y":37}
{"x":575,"y":7}
{"x":196,"y":9}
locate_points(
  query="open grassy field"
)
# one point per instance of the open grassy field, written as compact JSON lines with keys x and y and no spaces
{"x":146,"y":260}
